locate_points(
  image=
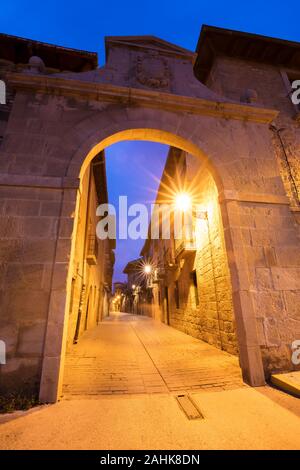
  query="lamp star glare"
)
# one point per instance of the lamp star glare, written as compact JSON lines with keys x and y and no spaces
{"x":183,"y":202}
{"x":147,"y":268}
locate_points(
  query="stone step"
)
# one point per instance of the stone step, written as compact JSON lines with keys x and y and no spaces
{"x":288,"y":382}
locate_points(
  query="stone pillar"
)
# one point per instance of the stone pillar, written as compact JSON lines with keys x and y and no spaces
{"x":57,"y":323}
{"x":36,"y":222}
{"x":249,"y":350}
{"x":263,"y":255}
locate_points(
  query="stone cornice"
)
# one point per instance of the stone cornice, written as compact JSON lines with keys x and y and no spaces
{"x":138,"y":97}
{"x":151,"y":43}
{"x":56,"y":182}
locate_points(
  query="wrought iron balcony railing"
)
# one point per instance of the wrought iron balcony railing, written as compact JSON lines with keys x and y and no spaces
{"x":184,"y":248}
{"x":92,"y":250}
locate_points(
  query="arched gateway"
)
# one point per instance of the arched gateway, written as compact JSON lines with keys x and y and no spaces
{"x":147,"y":90}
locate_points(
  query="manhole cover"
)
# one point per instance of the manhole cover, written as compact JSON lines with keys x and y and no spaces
{"x":189,"y":407}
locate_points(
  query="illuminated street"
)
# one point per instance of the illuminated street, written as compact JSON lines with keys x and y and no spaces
{"x":135,"y":354}
{"x":149,"y":230}
{"x":121,"y":381}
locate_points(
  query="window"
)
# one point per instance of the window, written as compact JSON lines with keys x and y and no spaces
{"x":72,"y":295}
{"x":149,"y":296}
{"x":176,"y":294}
{"x":195,"y":286}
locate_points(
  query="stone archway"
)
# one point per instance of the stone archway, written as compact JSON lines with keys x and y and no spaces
{"x":59,"y":120}
{"x":167,"y":128}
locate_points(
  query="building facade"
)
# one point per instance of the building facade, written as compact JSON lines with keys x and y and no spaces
{"x":118,"y":299}
{"x":229,"y":105}
{"x":39,"y":217}
{"x":93,"y":260}
{"x":137,"y":294}
{"x":190,"y":279}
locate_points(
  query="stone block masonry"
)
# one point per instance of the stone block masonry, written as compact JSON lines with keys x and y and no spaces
{"x":58,"y":122}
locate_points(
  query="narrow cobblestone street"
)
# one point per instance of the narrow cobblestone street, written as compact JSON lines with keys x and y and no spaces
{"x":134,"y":354}
{"x":120,"y":388}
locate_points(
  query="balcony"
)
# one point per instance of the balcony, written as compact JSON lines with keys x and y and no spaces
{"x":158,"y":276}
{"x":92,"y":250}
{"x":184,"y":248}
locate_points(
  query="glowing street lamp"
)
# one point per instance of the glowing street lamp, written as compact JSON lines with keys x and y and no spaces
{"x":183,"y":202}
{"x":133,"y":286}
{"x":147,"y":269}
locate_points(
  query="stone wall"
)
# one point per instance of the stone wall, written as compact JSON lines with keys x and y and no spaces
{"x":88,"y":291}
{"x":270,"y":260}
{"x":268,"y":232}
{"x":28,"y":230}
{"x":37,"y":211}
{"x":205,"y":312}
{"x":57,"y":126}
{"x":231,"y":78}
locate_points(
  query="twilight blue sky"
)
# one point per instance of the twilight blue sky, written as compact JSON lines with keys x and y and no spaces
{"x":133,"y":169}
{"x":83,"y":25}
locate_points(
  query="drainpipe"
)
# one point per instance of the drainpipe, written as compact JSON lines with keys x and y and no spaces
{"x":277,"y":132}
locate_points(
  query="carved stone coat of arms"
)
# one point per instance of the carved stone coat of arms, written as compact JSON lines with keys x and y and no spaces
{"x":153,"y":71}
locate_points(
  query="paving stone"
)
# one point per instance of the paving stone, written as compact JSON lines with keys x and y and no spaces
{"x":150,"y":358}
